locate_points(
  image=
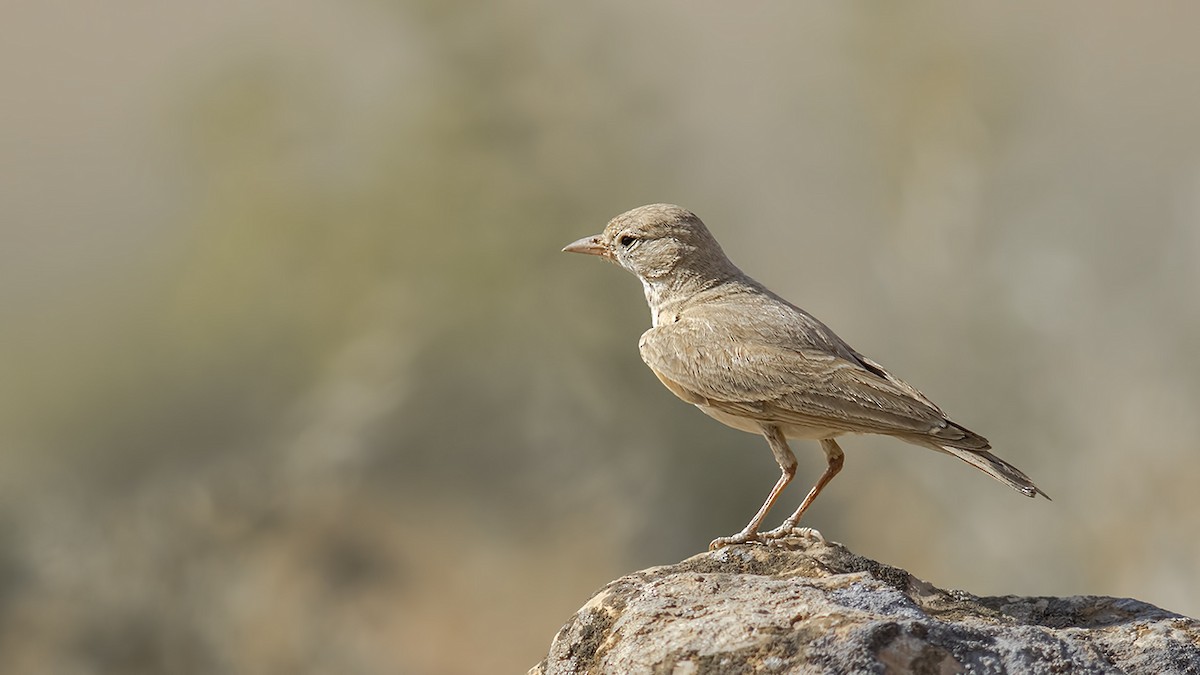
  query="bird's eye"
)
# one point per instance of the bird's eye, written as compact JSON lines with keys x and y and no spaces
{"x":627,"y":240}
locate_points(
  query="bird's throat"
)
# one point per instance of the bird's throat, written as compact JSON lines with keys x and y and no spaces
{"x":668,"y":297}
{"x":654,"y":298}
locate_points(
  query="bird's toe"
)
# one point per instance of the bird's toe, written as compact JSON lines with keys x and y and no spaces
{"x":787,"y":531}
{"x":742,"y":537}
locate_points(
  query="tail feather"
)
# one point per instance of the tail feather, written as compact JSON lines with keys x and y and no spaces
{"x":996,"y":468}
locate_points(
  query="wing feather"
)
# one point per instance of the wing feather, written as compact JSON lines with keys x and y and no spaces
{"x":704,"y":362}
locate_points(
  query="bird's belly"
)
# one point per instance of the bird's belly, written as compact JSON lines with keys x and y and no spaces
{"x":755,"y":426}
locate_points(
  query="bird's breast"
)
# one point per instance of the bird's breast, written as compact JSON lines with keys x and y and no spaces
{"x":754,"y":425}
{"x":678,"y":389}
{"x":730,"y":420}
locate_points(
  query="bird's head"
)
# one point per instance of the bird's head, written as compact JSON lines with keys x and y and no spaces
{"x":656,"y":242}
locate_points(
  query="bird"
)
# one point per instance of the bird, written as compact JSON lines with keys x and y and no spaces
{"x":750,"y":359}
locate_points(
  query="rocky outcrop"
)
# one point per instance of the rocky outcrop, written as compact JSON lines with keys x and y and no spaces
{"x":805,"y":605}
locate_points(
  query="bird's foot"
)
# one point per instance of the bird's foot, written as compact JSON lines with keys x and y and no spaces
{"x":789,"y":531}
{"x":743,"y":537}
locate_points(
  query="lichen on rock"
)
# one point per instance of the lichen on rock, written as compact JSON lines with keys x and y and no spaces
{"x":804,"y":605}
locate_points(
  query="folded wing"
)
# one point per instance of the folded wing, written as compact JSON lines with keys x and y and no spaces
{"x":714,"y":365}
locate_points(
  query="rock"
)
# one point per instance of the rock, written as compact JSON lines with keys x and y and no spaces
{"x":804,"y":605}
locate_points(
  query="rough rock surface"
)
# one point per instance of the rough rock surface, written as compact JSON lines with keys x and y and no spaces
{"x":808,"y":606}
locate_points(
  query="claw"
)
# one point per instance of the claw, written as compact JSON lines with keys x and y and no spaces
{"x":743,"y":537}
{"x":787,"y":531}
{"x":781,"y":532}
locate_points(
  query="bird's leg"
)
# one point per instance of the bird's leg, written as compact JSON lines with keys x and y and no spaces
{"x":787,"y":466}
{"x":833,"y":454}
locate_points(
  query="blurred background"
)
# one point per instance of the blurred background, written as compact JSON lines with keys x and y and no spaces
{"x":294,"y":378}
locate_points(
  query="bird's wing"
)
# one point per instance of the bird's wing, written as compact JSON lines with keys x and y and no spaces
{"x":707,"y":365}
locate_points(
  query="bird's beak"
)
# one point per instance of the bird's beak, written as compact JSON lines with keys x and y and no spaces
{"x":589,"y":245}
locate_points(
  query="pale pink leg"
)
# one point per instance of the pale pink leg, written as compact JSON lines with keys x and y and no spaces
{"x":833,"y":454}
{"x":787,"y":466}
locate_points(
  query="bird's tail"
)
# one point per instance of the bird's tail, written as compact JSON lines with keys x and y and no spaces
{"x":996,"y":468}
